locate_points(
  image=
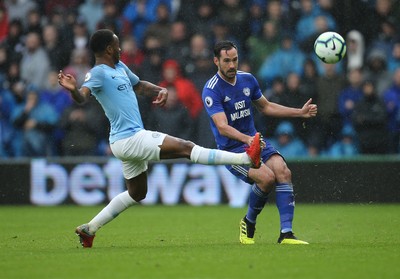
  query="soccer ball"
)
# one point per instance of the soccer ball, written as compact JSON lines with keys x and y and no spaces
{"x":330,"y":47}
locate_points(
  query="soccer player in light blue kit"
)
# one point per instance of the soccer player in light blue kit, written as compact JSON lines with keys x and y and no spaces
{"x":115,"y":87}
{"x":228,"y":98}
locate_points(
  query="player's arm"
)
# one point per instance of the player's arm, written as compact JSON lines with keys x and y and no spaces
{"x":221,"y":122}
{"x":276,"y":110}
{"x":149,"y":89}
{"x":68,"y":82}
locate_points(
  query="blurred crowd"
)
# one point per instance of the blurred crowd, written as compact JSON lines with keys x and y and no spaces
{"x":169,"y":42}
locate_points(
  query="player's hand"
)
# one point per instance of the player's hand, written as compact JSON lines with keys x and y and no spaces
{"x":309,"y":110}
{"x":67,"y":81}
{"x":250,"y":141}
{"x":161,"y":98}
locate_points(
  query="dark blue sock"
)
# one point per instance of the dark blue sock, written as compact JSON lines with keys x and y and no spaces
{"x":285,"y":203}
{"x":257,"y":201}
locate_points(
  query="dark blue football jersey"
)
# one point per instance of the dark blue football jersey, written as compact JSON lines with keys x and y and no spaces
{"x":235,"y":100}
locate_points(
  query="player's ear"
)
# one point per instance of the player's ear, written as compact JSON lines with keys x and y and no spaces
{"x":216,"y":61}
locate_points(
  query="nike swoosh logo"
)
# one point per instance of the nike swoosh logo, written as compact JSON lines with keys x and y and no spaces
{"x":334,"y":46}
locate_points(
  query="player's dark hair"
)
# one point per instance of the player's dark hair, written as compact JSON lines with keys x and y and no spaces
{"x":100,"y":40}
{"x":223,"y":45}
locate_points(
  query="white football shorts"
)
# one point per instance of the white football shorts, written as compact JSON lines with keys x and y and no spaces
{"x":137,"y":150}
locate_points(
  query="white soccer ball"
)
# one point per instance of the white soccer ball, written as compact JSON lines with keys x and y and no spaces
{"x":330,"y":47}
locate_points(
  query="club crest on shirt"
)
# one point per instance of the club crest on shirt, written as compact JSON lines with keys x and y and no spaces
{"x":246,"y":91}
{"x":209,"y":101}
{"x":87,"y":76}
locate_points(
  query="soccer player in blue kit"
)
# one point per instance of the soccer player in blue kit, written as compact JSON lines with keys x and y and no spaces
{"x":115,"y":87}
{"x":228,"y":98}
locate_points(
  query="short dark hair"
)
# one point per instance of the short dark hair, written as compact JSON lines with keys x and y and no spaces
{"x":223,"y":45}
{"x":100,"y":40}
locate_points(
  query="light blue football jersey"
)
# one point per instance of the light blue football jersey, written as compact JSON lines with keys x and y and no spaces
{"x":236,"y":102}
{"x":113,"y":90}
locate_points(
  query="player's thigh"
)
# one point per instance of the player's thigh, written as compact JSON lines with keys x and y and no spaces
{"x":173,"y":147}
{"x":279,"y":167}
{"x":142,"y":146}
{"x":264,"y":177}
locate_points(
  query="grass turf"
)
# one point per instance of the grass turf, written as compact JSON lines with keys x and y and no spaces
{"x":346,"y":241}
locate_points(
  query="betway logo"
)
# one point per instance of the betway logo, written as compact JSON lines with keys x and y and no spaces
{"x":91,"y":184}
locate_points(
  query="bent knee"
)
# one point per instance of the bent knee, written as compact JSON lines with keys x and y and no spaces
{"x":137,"y":197}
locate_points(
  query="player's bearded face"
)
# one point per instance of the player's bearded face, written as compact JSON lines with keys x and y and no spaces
{"x":228,"y":64}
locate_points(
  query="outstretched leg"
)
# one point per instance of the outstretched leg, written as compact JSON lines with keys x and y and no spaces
{"x":173,"y":147}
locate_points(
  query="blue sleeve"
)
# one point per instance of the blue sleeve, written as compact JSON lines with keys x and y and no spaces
{"x":94,"y":79}
{"x":212,"y":102}
{"x":257,"y":91}
{"x":132,"y":77}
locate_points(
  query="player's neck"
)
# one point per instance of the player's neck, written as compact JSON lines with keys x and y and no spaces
{"x":228,"y":80}
{"x":103,"y":60}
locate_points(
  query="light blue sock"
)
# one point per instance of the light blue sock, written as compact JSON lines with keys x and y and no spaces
{"x":257,"y":200}
{"x":285,"y":203}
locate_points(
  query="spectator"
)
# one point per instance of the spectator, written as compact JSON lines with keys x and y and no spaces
{"x":233,"y":12}
{"x":150,"y":70}
{"x":35,"y":64}
{"x":186,"y":91}
{"x":161,"y":28}
{"x":376,"y":71}
{"x":19,"y":9}
{"x":199,"y":48}
{"x":202,"y":19}
{"x":355,"y":53}
{"x":84,"y":127}
{"x":350,"y":95}
{"x":386,"y":37}
{"x":370,"y":122}
{"x":305,"y":26}
{"x":256,"y":17}
{"x":80,"y":35}
{"x":111,"y":19}
{"x":287,"y":142}
{"x":92,"y":11}
{"x":165,"y":119}
{"x":275,"y":13}
{"x":3,"y":23}
{"x":394,"y":60}
{"x":198,"y":66}
{"x":260,"y":47}
{"x":222,"y":31}
{"x":329,"y":87}
{"x":14,"y":42}
{"x":79,"y":65}
{"x":56,"y":50}
{"x":391,"y":98}
{"x":138,"y":15}
{"x":131,"y":54}
{"x":7,"y":105}
{"x":288,"y":58}
{"x":58,"y":98}
{"x":3,"y":64}
{"x":296,"y":97}
{"x":276,"y":94}
{"x":346,"y":146}
{"x":309,"y":78}
{"x":178,"y":47}
{"x":34,"y":22}
{"x":36,"y":121}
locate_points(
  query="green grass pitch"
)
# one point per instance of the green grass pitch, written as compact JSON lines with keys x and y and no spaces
{"x":346,"y":241}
